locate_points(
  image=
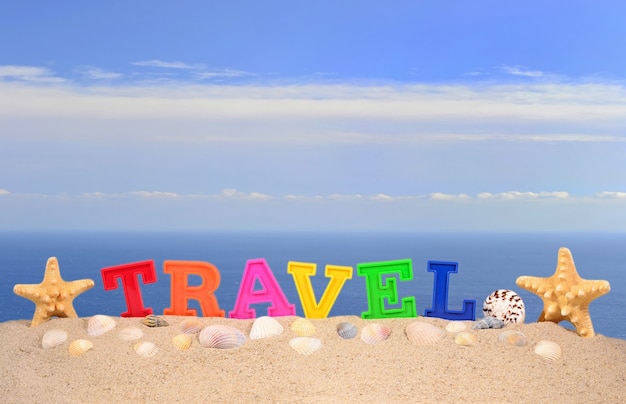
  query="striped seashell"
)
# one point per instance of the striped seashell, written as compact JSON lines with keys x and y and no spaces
{"x":153,"y":321}
{"x":182,"y":342}
{"x":375,"y":333}
{"x":79,"y":347}
{"x":422,"y":333}
{"x":130,"y":334}
{"x":465,"y":338}
{"x":305,"y":345}
{"x":265,"y":327}
{"x":303,"y":327}
{"x":191,"y":325}
{"x":146,"y":349}
{"x":456,"y":326}
{"x":548,"y":349}
{"x":505,"y":305}
{"x":514,"y":338}
{"x":53,"y":338}
{"x":221,"y":337}
{"x":347,"y":330}
{"x":100,"y":324}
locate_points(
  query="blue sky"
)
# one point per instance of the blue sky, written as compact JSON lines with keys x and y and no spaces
{"x":276,"y":115}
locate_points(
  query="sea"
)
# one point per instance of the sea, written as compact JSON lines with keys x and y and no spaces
{"x":486,"y":262}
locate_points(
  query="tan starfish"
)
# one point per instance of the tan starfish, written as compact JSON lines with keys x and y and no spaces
{"x":566,"y":296}
{"x":53,"y":296}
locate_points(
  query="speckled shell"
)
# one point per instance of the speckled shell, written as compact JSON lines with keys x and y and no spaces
{"x":130,"y":334}
{"x":53,"y":338}
{"x":100,"y":324}
{"x":456,"y":326}
{"x":347,"y":330}
{"x":303,"y":327}
{"x":305,"y":345}
{"x":265,"y":327}
{"x":505,"y":305}
{"x":548,"y":349}
{"x":422,"y":333}
{"x":221,"y":337}
{"x":146,"y":349}
{"x":79,"y":347}
{"x":153,"y":321}
{"x":375,"y":333}
{"x":191,"y":325}
{"x":182,"y":342}
{"x":465,"y":338}
{"x":511,"y":337}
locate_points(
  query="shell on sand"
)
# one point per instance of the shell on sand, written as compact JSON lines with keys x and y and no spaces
{"x":511,"y":337}
{"x":465,"y":338}
{"x":153,"y":321}
{"x":548,"y":350}
{"x":347,"y":330}
{"x":456,"y":326}
{"x":375,"y":333}
{"x":303,"y":327}
{"x":182,"y":342}
{"x":221,"y":337}
{"x":422,"y":333}
{"x":305,"y":345}
{"x":191,"y":325}
{"x":100,"y":324}
{"x":265,"y":327}
{"x":488,"y":322}
{"x":506,"y":305}
{"x":146,"y":349}
{"x":53,"y":338}
{"x":130,"y":334}
{"x":79,"y":347}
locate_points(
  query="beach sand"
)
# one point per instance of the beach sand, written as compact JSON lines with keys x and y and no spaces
{"x":269,"y":370}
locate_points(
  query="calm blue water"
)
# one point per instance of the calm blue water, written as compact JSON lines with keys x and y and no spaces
{"x":486,"y":262}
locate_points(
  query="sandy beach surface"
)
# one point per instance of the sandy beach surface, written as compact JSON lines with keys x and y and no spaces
{"x":342,"y":370}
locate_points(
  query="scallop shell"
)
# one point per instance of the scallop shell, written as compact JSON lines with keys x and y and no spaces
{"x":456,"y":326}
{"x":347,"y":330}
{"x":265,"y":327}
{"x":100,"y":324}
{"x":514,"y":338}
{"x":130,"y":334}
{"x":465,"y":339}
{"x":303,"y":327}
{"x":375,"y":333}
{"x":505,"y":305}
{"x":53,"y":338}
{"x":305,"y":345}
{"x":422,"y":333}
{"x":548,"y":350}
{"x":191,"y":325}
{"x":79,"y":347}
{"x":182,"y":342}
{"x":221,"y":337}
{"x":153,"y":321}
{"x":146,"y":349}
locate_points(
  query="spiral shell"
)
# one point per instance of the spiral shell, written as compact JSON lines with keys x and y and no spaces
{"x":265,"y":327}
{"x":375,"y":333}
{"x":182,"y":342}
{"x":130,"y":334}
{"x":221,"y":337}
{"x":191,"y":325}
{"x":456,"y":326}
{"x":79,"y":347}
{"x":153,"y":321}
{"x":422,"y":333}
{"x":505,"y":305}
{"x":347,"y":330}
{"x":146,"y":349}
{"x":305,"y":345}
{"x":100,"y":324}
{"x":510,"y":337}
{"x":465,"y":338}
{"x":303,"y":327}
{"x":53,"y":338}
{"x":548,"y":349}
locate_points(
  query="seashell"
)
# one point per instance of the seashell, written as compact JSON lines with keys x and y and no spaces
{"x":146,"y":349}
{"x":347,"y":330}
{"x":99,"y":324}
{"x":488,"y":322}
{"x":465,"y":339}
{"x":182,"y":342}
{"x":422,"y":333}
{"x":548,"y":350}
{"x":505,"y":305}
{"x":221,"y":337}
{"x":514,"y":338}
{"x":79,"y":347}
{"x":265,"y":327}
{"x":303,"y":327}
{"x":305,"y":345}
{"x":153,"y":321}
{"x":456,"y":326}
{"x":53,"y":338}
{"x":191,"y":325}
{"x":130,"y":334}
{"x":375,"y":333}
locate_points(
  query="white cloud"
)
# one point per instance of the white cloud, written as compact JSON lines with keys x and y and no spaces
{"x":448,"y":197}
{"x":154,"y":194}
{"x":522,"y":71}
{"x":4,"y":192}
{"x":226,"y":73}
{"x":31,"y":74}
{"x":95,"y":73}
{"x":606,"y":194}
{"x":167,"y":65}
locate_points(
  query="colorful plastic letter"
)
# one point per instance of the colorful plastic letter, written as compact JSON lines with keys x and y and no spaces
{"x":379,"y":289}
{"x":442,"y":272}
{"x":302,"y":271}
{"x":270,"y":291}
{"x":181,"y":292}
{"x":130,"y":284}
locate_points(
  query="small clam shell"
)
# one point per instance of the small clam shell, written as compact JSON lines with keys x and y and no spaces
{"x":265,"y":327}
{"x":375,"y":333}
{"x":130,"y":334}
{"x":146,"y":349}
{"x":191,"y":325}
{"x":221,"y":337}
{"x":305,"y":345}
{"x":53,"y":338}
{"x":153,"y":321}
{"x":347,"y":330}
{"x":422,"y":333}
{"x":303,"y":327}
{"x":505,"y":305}
{"x":100,"y":324}
{"x":456,"y":326}
{"x":548,"y":350}
{"x":182,"y":342}
{"x":465,"y":338}
{"x":79,"y":347}
{"x":514,"y":338}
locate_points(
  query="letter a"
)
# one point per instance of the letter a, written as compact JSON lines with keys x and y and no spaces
{"x":181,"y":292}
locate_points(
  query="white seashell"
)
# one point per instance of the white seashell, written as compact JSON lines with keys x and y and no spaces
{"x":79,"y":347}
{"x":375,"y":333}
{"x":182,"y":342}
{"x":548,"y":350}
{"x":146,"y":349}
{"x":505,"y":305}
{"x":305,"y":345}
{"x":99,"y":324}
{"x":130,"y":334}
{"x":347,"y":330}
{"x":191,"y":325}
{"x":303,"y":327}
{"x":456,"y":326}
{"x":53,"y":338}
{"x":221,"y":337}
{"x":265,"y":327}
{"x":422,"y":333}
{"x":465,"y":338}
{"x":511,"y":337}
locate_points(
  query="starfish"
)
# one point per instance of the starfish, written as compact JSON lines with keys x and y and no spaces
{"x":566,"y":296}
{"x":53,"y":296}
